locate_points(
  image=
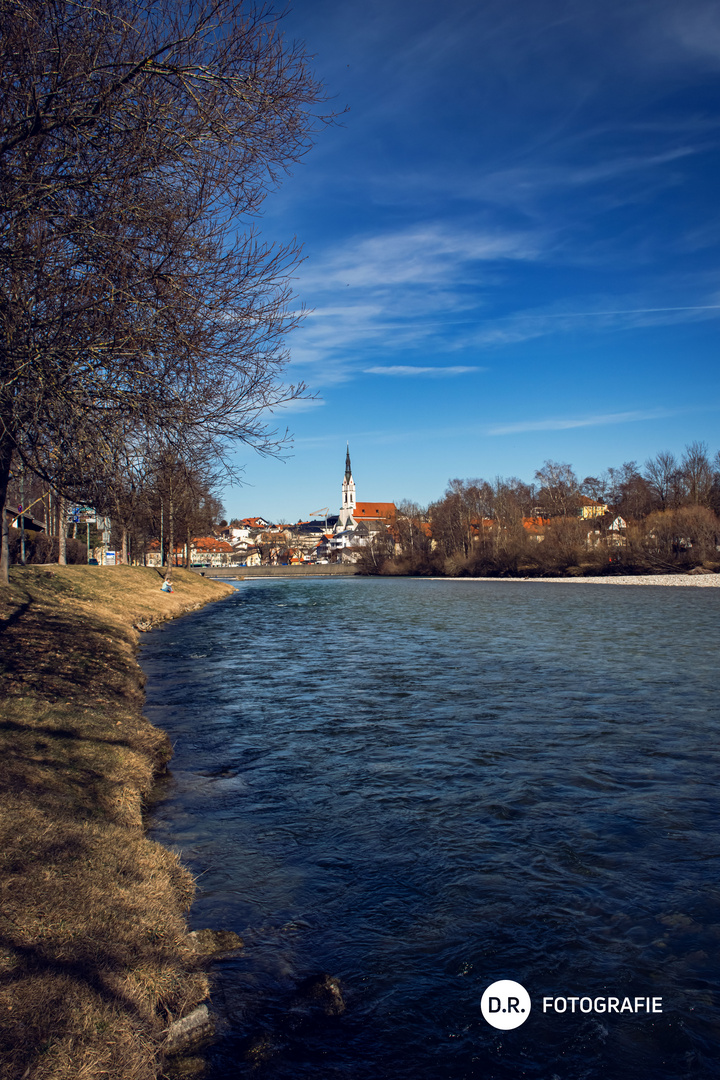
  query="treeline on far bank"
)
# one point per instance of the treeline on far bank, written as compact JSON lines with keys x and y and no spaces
{"x":661,"y":517}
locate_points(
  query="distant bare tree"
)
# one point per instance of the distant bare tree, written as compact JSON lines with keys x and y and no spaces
{"x":559,"y":494}
{"x":715,"y":493}
{"x":689,"y":534}
{"x":375,"y":556}
{"x":697,"y":473}
{"x":663,"y":476}
{"x":512,"y":500}
{"x":594,"y":487}
{"x":451,"y":524}
{"x":457,"y":519}
{"x":411,"y":530}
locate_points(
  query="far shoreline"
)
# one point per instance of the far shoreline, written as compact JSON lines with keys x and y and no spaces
{"x":710,"y":579}
{"x":706,"y":579}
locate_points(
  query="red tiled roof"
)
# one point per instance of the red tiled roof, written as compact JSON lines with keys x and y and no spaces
{"x":212,"y":544}
{"x":535,"y":524}
{"x":252,"y":523}
{"x":374,"y":510}
{"x":154,"y":546}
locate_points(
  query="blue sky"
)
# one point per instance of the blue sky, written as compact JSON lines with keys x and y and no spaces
{"x":511,"y":244}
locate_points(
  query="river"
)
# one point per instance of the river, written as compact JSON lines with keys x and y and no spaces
{"x":420,"y":788}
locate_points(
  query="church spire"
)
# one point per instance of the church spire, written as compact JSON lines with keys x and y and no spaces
{"x":346,"y":519}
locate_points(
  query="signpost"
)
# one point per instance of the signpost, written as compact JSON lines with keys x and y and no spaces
{"x":86,"y":515}
{"x":103,"y":526}
{"x":82,"y":514}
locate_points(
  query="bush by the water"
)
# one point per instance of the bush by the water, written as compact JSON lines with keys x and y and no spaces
{"x":41,"y":548}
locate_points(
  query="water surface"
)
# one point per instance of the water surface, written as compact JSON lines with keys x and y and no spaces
{"x":420,"y":787}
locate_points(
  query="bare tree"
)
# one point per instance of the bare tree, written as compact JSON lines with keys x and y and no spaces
{"x":455,"y":518}
{"x":697,"y":473}
{"x":512,"y":501}
{"x":715,"y":493}
{"x":687,"y":535}
{"x":594,"y":488}
{"x":662,"y":475}
{"x":629,"y":493}
{"x":559,"y":494}
{"x":411,"y":530}
{"x":137,"y":138}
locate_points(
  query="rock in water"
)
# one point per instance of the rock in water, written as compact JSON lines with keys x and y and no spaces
{"x":210,"y":942}
{"x":186,"y":1068}
{"x":320,"y":994}
{"x":193,"y":1029}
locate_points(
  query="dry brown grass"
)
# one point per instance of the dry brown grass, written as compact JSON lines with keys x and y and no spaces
{"x":94,"y":955}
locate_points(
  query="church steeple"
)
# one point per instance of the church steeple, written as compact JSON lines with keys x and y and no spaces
{"x":346,"y":519}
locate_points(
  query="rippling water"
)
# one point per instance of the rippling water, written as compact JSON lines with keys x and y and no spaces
{"x":420,"y":787}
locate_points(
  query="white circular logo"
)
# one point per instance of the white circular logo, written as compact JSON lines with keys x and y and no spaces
{"x":505,"y":1004}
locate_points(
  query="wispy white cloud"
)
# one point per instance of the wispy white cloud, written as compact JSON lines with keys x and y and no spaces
{"x":634,"y":311}
{"x":409,"y":370}
{"x":425,"y":255}
{"x":566,"y":423}
{"x":400,"y":292}
{"x":530,"y":188}
{"x":527,"y":325}
{"x":695,"y":29}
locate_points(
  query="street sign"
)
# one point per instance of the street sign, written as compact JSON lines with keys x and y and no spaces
{"x":82,"y":514}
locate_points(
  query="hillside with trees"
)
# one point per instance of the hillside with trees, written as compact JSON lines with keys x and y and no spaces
{"x":662,"y":516}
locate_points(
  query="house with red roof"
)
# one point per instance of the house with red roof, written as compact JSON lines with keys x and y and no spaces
{"x":375,"y":511}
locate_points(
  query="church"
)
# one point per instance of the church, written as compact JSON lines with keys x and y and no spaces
{"x":357,"y":521}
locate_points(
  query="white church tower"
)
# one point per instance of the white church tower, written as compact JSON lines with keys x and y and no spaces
{"x":347,"y":510}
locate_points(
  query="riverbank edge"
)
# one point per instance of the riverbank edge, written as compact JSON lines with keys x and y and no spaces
{"x":96,"y":961}
{"x":707,"y":578}
{"x":574,"y":573}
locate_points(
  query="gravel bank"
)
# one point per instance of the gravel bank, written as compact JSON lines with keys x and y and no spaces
{"x":709,"y":580}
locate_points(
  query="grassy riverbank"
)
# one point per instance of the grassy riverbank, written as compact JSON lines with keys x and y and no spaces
{"x":94,"y":956}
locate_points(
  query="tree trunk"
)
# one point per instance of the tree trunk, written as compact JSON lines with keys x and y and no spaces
{"x":6,"y":453}
{"x":171,"y":537}
{"x":124,"y":545}
{"x":62,"y":531}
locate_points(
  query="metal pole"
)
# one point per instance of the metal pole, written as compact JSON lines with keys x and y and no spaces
{"x":87,"y":542}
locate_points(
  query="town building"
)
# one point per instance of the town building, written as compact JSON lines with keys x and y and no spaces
{"x":591,"y":508}
{"x":377,"y":511}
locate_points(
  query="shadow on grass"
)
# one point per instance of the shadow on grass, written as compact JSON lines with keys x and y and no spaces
{"x":61,"y":733}
{"x":15,"y":616}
